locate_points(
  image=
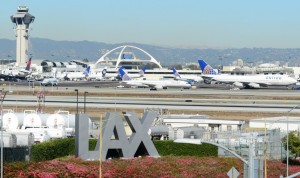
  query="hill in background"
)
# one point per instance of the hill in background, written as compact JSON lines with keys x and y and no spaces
{"x":79,"y":50}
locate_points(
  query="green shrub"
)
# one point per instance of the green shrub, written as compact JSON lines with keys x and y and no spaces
{"x":168,"y":147}
{"x":92,"y":144}
{"x":53,"y":149}
{"x":56,"y":148}
{"x":64,"y":147}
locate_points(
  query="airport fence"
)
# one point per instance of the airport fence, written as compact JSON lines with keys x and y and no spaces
{"x":16,"y":154}
{"x":239,"y":142}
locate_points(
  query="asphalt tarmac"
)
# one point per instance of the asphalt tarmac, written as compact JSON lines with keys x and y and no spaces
{"x":202,"y":97}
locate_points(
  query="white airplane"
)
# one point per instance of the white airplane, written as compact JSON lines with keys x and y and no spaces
{"x":140,"y":74}
{"x":153,"y":84}
{"x":16,"y":73}
{"x":78,"y":75}
{"x":114,"y":76}
{"x":61,"y":75}
{"x":248,"y":81}
{"x":98,"y":75}
{"x":187,"y":78}
{"x":109,"y":76}
{"x":207,"y":69}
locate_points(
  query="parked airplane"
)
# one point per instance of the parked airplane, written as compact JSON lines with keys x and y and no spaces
{"x":115,"y":76}
{"x":187,"y":78}
{"x":140,"y":74}
{"x":207,"y":69}
{"x":98,"y":75}
{"x":255,"y":81}
{"x":153,"y":84}
{"x":13,"y":73}
{"x":78,"y":75}
{"x":247,"y":81}
{"x":109,"y":76}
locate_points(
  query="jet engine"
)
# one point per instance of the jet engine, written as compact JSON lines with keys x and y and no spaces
{"x":254,"y":85}
{"x":238,"y":84}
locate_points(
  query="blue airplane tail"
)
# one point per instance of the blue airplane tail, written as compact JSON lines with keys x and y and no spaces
{"x":118,"y":71}
{"x":143,"y":70}
{"x":87,"y":71}
{"x":124,"y":75}
{"x":104,"y":72}
{"x":177,"y":75}
{"x":206,"y":68}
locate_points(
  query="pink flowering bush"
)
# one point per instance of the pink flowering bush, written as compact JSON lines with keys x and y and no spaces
{"x":164,"y":167}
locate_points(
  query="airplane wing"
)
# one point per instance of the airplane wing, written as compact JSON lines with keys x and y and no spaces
{"x":154,"y":85}
{"x":207,"y":77}
{"x":256,"y":84}
{"x":247,"y":84}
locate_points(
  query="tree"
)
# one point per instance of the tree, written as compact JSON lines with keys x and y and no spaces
{"x":150,"y":66}
{"x":177,"y":66}
{"x":193,"y":67}
{"x":294,"y":143}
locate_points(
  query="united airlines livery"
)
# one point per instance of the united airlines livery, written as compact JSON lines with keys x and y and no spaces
{"x":152,"y":84}
{"x":188,"y":78}
{"x":248,"y":81}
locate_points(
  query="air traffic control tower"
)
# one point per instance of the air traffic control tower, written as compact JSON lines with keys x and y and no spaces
{"x":22,"y":19}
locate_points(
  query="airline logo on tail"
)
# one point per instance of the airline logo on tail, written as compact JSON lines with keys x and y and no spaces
{"x":142,"y":72}
{"x":206,"y":68}
{"x":175,"y":73}
{"x":104,"y":72}
{"x":87,"y":71}
{"x":28,"y":65}
{"x":124,"y":75}
{"x":118,"y":72}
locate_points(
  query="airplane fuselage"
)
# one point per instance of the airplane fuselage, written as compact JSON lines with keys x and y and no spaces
{"x":277,"y":80}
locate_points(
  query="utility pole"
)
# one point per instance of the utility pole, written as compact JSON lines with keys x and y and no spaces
{"x":77,"y":100}
{"x":2,"y":96}
{"x":84,"y":94}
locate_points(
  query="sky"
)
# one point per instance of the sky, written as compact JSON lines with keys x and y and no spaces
{"x":170,"y":23}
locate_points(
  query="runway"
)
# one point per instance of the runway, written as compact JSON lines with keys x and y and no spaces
{"x":105,"y":94}
{"x":165,"y":103}
{"x":111,"y":87}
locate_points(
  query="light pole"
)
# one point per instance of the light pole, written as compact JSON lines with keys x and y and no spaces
{"x":287,"y":139}
{"x":3,"y":94}
{"x":100,"y":147}
{"x":77,"y":100}
{"x":115,"y":99}
{"x":84,"y":94}
{"x":265,"y":150}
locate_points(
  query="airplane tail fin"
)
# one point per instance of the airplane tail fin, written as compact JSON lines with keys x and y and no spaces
{"x":104,"y":72}
{"x":143,"y":70}
{"x":124,"y":75}
{"x":206,"y":68}
{"x":28,"y":64}
{"x":87,"y":71}
{"x":176,"y":74}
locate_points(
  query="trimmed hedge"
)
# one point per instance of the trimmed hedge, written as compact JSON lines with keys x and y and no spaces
{"x":56,"y":148}
{"x":52,"y":149}
{"x":168,"y":147}
{"x":64,"y":147}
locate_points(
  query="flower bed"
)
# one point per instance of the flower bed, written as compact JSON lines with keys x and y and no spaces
{"x":168,"y":166}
